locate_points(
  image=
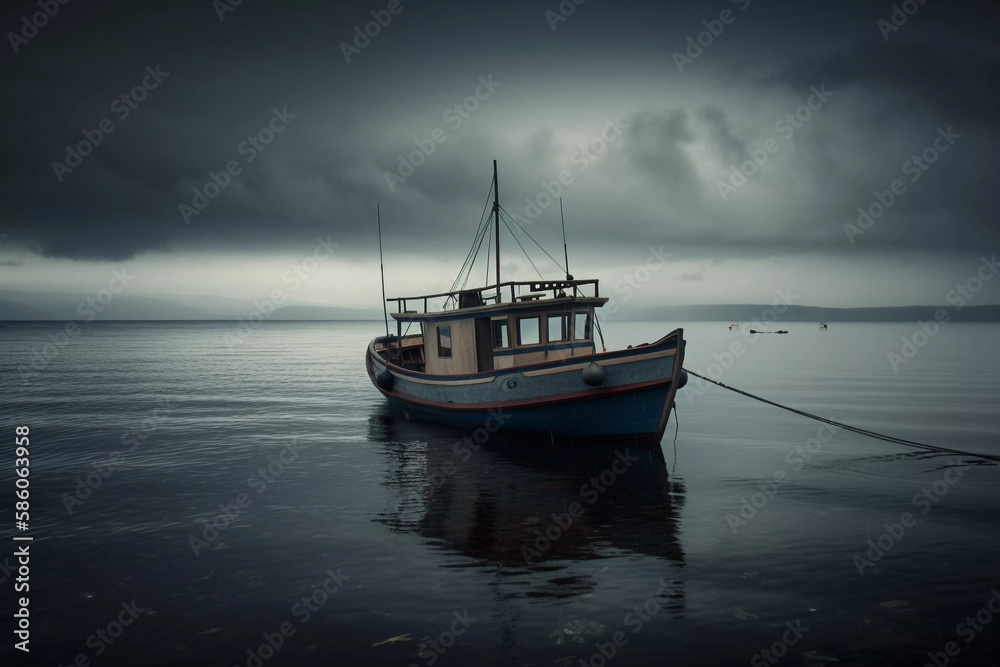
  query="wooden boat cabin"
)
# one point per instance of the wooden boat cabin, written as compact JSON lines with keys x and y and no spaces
{"x":494,"y":328}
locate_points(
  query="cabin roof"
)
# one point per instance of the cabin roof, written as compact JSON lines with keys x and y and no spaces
{"x":495,"y":300}
{"x":495,"y":310}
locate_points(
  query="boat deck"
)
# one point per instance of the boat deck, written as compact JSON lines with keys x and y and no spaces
{"x":411,"y":352}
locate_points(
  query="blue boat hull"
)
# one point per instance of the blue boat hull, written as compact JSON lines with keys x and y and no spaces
{"x":553,"y":400}
{"x":601,"y":418}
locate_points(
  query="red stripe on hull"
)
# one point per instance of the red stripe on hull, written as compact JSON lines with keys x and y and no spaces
{"x":531,"y":402}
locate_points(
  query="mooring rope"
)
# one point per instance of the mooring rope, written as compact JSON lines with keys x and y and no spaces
{"x":854,"y":429}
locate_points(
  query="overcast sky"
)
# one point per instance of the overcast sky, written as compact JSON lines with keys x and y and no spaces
{"x":653,"y":130}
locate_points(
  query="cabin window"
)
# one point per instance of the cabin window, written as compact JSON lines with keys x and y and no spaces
{"x":558,"y":328}
{"x":528,"y":331}
{"x":501,"y":334}
{"x":444,"y":341}
{"x":581,"y":326}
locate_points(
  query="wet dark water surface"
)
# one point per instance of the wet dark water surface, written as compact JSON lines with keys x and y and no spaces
{"x":196,"y":504}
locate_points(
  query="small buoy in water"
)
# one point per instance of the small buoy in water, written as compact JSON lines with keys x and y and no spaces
{"x":384,"y":380}
{"x":682,"y":380}
{"x":594,"y":375}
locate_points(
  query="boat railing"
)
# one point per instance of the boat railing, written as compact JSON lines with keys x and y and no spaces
{"x":509,"y":292}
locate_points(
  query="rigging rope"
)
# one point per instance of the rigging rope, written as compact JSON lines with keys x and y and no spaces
{"x":479,"y":231}
{"x":472,"y":264}
{"x":532,"y":239}
{"x":523,"y":250}
{"x":848,"y":427}
{"x":489,"y":249}
{"x":477,"y":245}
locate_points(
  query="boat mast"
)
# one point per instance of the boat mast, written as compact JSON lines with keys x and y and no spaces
{"x":565,"y":249}
{"x":496,"y":222}
{"x":381,"y":267}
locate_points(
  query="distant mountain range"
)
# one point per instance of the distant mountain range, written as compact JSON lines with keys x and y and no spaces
{"x":749,"y":313}
{"x":20,"y":305}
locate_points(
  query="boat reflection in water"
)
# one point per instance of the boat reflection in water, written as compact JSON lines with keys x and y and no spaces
{"x":531,"y":509}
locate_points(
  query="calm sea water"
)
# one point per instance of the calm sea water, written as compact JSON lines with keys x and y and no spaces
{"x":348,"y":527}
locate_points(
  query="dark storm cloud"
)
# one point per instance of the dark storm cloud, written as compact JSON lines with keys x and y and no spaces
{"x":924,"y":88}
{"x":223,"y":82}
{"x":950,"y":80}
{"x":731,"y":147}
{"x":655,"y":145}
{"x":354,"y":121}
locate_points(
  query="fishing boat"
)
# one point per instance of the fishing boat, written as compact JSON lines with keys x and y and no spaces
{"x":520,"y":357}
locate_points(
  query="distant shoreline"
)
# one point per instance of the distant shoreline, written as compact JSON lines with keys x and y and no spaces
{"x":750,"y":313}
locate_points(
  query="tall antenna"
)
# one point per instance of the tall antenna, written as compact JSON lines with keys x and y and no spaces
{"x":381,"y":267}
{"x":496,"y":221}
{"x":565,"y":249}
